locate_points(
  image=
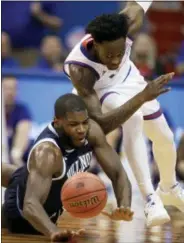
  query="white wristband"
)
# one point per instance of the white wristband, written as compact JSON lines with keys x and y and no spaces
{"x":145,"y":5}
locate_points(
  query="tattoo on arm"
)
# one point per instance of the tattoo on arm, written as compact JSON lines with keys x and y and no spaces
{"x":84,"y":80}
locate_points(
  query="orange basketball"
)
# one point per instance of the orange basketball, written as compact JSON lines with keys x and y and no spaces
{"x":84,"y":195}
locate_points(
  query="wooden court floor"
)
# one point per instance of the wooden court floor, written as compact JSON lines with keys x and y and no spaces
{"x":102,"y":230}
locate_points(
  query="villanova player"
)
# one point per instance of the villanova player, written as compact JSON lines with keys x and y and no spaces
{"x":102,"y":73}
{"x":65,"y":147}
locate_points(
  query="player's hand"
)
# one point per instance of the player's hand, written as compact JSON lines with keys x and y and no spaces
{"x":156,"y":87}
{"x":66,"y":235}
{"x":120,"y":214}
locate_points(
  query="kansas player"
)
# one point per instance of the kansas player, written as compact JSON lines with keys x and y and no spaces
{"x":104,"y":76}
{"x":32,"y":199}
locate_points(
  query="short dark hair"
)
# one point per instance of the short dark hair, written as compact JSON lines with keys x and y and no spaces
{"x":8,"y":76}
{"x":108,"y":27}
{"x":68,"y":103}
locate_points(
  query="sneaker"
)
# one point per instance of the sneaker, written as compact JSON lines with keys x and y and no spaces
{"x":174,"y":197}
{"x":155,"y":212}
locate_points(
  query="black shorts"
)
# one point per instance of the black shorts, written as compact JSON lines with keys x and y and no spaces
{"x":17,"y":224}
{"x":11,"y":212}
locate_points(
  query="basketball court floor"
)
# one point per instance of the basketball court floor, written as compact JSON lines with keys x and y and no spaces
{"x":102,"y":230}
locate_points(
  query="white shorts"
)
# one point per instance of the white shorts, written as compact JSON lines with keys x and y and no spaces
{"x":119,"y":94}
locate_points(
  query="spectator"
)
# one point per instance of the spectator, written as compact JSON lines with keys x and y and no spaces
{"x":180,"y":61}
{"x":6,"y":59}
{"x":52,"y":54}
{"x":29,"y":21}
{"x":144,"y":55}
{"x":18,"y":122}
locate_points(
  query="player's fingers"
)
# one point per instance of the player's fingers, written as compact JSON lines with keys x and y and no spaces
{"x":78,"y":233}
{"x":81,"y":231}
{"x":166,"y":78}
{"x":106,"y":214}
{"x":165,"y":90}
{"x":131,"y":214}
{"x":123,"y":210}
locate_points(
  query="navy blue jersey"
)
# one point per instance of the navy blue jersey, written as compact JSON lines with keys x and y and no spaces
{"x":75,"y":160}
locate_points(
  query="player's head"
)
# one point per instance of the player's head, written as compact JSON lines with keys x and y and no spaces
{"x":71,"y":118}
{"x":109,"y":32}
{"x":9,"y":85}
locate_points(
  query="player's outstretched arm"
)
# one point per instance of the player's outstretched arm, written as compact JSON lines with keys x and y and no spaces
{"x":135,"y":11}
{"x":112,"y":166}
{"x":83,"y":79}
{"x":44,"y":163}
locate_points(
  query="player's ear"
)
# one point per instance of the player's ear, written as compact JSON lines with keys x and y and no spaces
{"x":56,"y":121}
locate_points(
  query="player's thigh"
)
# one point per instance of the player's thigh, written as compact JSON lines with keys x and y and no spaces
{"x":6,"y":173}
{"x":151,"y":110}
{"x":111,"y":99}
{"x":4,"y":224}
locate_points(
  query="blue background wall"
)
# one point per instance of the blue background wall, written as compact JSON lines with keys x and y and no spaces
{"x":40,"y":90}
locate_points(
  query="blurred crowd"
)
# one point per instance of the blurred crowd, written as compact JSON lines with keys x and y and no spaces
{"x":42,"y":28}
{"x":20,"y":43}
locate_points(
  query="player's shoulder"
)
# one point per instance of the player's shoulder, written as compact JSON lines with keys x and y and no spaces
{"x":46,"y":147}
{"x":80,"y":72}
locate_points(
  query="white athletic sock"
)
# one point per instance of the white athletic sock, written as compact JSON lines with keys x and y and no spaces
{"x":136,"y":151}
{"x":164,"y":150}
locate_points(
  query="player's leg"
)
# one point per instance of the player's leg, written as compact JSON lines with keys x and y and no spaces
{"x":164,"y":151}
{"x":12,"y":216}
{"x":6,"y":172}
{"x":135,"y":148}
{"x":115,"y":140}
{"x":4,"y":224}
{"x":4,"y":145}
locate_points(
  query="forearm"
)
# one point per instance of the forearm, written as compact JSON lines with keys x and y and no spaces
{"x":21,"y":138}
{"x":145,"y":5}
{"x":111,"y":164}
{"x":48,"y":20}
{"x":122,"y":189}
{"x":35,"y":214}
{"x":135,"y":11}
{"x":116,"y":117}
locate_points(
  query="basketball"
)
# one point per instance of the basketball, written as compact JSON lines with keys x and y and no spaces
{"x":84,"y":195}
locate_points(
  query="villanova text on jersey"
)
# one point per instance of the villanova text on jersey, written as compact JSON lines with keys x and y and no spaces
{"x":80,"y":165}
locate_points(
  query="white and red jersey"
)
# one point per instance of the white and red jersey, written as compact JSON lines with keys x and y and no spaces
{"x":105,"y":77}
